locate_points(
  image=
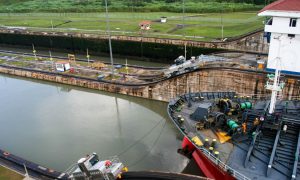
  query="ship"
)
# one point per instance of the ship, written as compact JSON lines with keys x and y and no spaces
{"x":241,"y":140}
{"x":232,"y":136}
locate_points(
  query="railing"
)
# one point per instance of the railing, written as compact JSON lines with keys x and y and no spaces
{"x":114,"y":160}
{"x":104,"y":33}
{"x":71,"y":169}
{"x":221,"y":164}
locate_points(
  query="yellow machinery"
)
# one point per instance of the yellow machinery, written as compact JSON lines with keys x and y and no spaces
{"x":197,"y":141}
{"x":71,"y":58}
{"x":98,"y":65}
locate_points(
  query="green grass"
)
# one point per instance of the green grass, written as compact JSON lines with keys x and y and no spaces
{"x":195,"y":6}
{"x":123,"y":70}
{"x":206,"y":25}
{"x":6,"y":174}
{"x":28,"y":58}
{"x":18,"y":63}
{"x":110,"y":77}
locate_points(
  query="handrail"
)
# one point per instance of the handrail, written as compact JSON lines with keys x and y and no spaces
{"x":71,"y":169}
{"x":222,"y":165}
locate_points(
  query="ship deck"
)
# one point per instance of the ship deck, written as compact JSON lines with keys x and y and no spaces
{"x":225,"y":149}
{"x":272,"y":154}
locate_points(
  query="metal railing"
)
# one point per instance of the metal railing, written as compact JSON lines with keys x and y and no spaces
{"x":222,"y":165}
{"x":71,"y":169}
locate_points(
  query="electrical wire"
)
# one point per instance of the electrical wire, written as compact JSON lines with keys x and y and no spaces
{"x":139,"y":140}
{"x":153,"y":145}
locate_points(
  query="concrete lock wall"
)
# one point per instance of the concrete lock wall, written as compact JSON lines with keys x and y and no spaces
{"x":246,"y":83}
{"x":251,"y":42}
{"x":165,"y":53}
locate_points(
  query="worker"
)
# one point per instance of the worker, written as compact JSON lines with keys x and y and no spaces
{"x":244,"y":127}
{"x":108,"y":163}
{"x":255,"y":122}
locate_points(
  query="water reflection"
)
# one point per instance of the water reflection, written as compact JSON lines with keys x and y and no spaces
{"x":55,"y":125}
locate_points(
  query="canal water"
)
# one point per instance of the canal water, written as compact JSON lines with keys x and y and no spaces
{"x":55,"y":125}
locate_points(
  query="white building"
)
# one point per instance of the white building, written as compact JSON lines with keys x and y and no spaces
{"x":284,"y":26}
{"x":62,"y":66}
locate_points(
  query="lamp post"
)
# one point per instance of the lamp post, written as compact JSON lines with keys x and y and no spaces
{"x":34,"y":52}
{"x":88,"y":56}
{"x":109,"y":40}
{"x":183,"y":16}
{"x":222,"y":25}
{"x":51,"y":59}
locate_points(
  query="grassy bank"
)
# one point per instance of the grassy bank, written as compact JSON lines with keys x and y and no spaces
{"x":196,"y":26}
{"x":6,"y":174}
{"x":192,"y":6}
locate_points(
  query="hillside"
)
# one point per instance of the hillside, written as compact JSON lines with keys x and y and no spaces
{"x":192,"y":6}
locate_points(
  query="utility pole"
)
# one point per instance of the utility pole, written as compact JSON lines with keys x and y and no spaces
{"x":88,"y":56}
{"x":34,"y":52}
{"x":109,"y":40}
{"x":222,"y":24}
{"x":185,"y":50}
{"x":126,"y":67}
{"x":51,"y":59}
{"x":183,"y":16}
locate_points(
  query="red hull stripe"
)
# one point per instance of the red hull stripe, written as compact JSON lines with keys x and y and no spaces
{"x":210,"y":169}
{"x":202,"y":165}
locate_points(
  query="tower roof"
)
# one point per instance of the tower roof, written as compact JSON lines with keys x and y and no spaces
{"x":283,"y":5}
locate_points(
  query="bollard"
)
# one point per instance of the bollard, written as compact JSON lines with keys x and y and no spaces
{"x":214,"y":143}
{"x":216,"y":153}
{"x":206,"y":143}
{"x":179,"y":117}
{"x":211,"y":149}
{"x":181,"y":120}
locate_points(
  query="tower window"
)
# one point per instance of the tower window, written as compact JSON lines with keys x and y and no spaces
{"x":291,"y":35}
{"x":270,"y":21}
{"x":293,"y":22}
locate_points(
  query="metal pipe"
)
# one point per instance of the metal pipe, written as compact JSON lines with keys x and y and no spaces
{"x":294,"y":174}
{"x":273,"y":152}
{"x":250,"y":150}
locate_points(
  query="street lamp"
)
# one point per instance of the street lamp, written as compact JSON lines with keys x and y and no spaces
{"x":34,"y":52}
{"x":109,"y":40}
{"x":88,"y":56}
{"x":51,"y":59}
{"x":222,"y":24}
{"x":183,"y":16}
